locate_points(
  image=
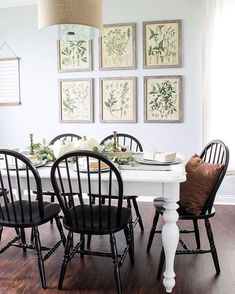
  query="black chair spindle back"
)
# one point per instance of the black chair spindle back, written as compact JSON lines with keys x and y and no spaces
{"x":80,"y":172}
{"x":67,"y":136}
{"x":126,"y":140}
{"x":17,"y":179}
{"x":215,"y":152}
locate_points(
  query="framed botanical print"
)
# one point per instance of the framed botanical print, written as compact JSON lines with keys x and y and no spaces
{"x":162,"y":44}
{"x":118,"y":100}
{"x":162,"y":99}
{"x":74,"y":56}
{"x":117,"y":47}
{"x":76,"y":100}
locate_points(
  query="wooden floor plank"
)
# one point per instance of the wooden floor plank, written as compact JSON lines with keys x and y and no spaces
{"x":93,"y":275}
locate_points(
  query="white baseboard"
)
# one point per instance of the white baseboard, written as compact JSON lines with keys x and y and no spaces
{"x":220,"y":199}
{"x":225,"y":199}
{"x":146,"y":198}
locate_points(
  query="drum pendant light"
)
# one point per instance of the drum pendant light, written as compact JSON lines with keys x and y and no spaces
{"x":70,"y":19}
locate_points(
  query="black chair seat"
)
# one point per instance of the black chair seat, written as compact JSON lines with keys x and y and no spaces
{"x":50,"y":211}
{"x":159,"y":202}
{"x":183,"y":214}
{"x":99,"y":215}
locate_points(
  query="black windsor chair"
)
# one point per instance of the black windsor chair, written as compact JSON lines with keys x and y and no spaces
{"x":135,"y":146}
{"x":215,"y":152}
{"x":83,"y":172}
{"x":19,"y":210}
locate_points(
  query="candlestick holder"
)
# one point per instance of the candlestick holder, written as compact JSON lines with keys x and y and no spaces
{"x":31,"y":144}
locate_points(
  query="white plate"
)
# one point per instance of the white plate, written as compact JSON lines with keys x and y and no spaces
{"x":154,"y":162}
{"x":39,"y":164}
{"x":93,"y":170}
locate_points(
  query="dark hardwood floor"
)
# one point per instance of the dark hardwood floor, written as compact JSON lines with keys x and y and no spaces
{"x":94,"y":275}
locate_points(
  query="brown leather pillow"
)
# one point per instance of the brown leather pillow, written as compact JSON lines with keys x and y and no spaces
{"x":201,"y":178}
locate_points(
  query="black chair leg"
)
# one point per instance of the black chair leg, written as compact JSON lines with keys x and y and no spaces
{"x":132,"y":237}
{"x":82,"y":240}
{"x":52,"y":200}
{"x":131,"y":230}
{"x":161,"y":264}
{"x":129,"y":238}
{"x":65,"y":259}
{"x":196,"y":232}
{"x":39,"y":256}
{"x":88,"y":241}
{"x":128,"y":202}
{"x":138,"y":213}
{"x":60,"y":229}
{"x":1,"y":230}
{"x":31,"y":237}
{"x":182,"y":243}
{"x":115,"y":263}
{"x":212,"y":246}
{"x":153,"y":229}
{"x":23,"y":240}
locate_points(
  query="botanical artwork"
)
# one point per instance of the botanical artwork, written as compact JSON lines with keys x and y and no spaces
{"x":162,"y":42}
{"x":76,"y":100}
{"x":117,"y":47}
{"x":163,"y":99}
{"x":74,"y":55}
{"x":118,"y":99}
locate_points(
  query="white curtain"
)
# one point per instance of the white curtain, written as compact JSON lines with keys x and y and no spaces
{"x":219,"y":73}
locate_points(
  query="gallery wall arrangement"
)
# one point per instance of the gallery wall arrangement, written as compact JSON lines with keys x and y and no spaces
{"x":162,"y":97}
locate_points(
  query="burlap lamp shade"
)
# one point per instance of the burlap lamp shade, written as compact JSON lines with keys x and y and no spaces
{"x":70,"y":19}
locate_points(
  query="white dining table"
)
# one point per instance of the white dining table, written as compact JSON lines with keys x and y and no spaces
{"x":163,"y":183}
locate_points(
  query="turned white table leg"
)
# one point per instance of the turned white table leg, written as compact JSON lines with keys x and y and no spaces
{"x":170,"y":235}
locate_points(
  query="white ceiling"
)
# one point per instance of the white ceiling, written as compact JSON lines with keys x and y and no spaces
{"x":12,"y":3}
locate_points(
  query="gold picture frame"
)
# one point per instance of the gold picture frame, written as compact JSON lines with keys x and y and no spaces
{"x":74,"y":56}
{"x":76,"y":100}
{"x":162,"y":44}
{"x":118,"y":100}
{"x":162,"y":99}
{"x":118,"y":47}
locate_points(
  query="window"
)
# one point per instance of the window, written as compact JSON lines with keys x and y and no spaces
{"x":219,"y":73}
